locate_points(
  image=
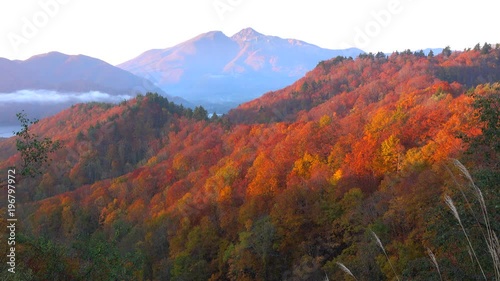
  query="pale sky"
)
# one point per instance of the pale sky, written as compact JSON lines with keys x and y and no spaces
{"x":119,"y":30}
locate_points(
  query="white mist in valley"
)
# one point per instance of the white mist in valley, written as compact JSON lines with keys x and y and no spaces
{"x":54,"y":97}
{"x":43,"y":103}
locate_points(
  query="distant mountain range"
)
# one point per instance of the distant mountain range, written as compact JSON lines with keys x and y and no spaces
{"x":45,"y":84}
{"x":219,"y":71}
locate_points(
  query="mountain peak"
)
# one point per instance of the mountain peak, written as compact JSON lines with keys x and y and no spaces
{"x":53,"y":54}
{"x":247,"y":34}
{"x":211,"y":35}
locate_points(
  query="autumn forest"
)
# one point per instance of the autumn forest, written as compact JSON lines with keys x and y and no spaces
{"x":380,"y":167}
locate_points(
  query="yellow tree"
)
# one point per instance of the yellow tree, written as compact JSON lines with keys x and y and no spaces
{"x":263,"y":177}
{"x":389,"y":156}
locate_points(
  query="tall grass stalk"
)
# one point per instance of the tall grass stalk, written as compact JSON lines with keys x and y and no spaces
{"x":468,"y":203}
{"x":453,"y":209}
{"x":385,"y":253}
{"x":490,"y":237}
{"x":434,"y":261}
{"x":346,"y":270}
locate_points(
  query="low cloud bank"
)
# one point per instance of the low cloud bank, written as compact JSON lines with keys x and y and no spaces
{"x":54,"y":97}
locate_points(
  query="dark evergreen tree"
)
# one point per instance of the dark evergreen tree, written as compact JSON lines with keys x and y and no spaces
{"x":446,"y":51}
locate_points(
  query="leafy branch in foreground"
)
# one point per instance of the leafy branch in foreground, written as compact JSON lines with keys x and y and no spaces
{"x":34,"y":150}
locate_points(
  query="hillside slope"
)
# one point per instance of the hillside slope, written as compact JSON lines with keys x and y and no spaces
{"x":282,"y":188}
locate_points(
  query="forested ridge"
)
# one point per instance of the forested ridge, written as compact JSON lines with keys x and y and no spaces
{"x":284,"y":187}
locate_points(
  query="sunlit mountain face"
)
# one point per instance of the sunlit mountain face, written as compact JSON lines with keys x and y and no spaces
{"x":218,"y":71}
